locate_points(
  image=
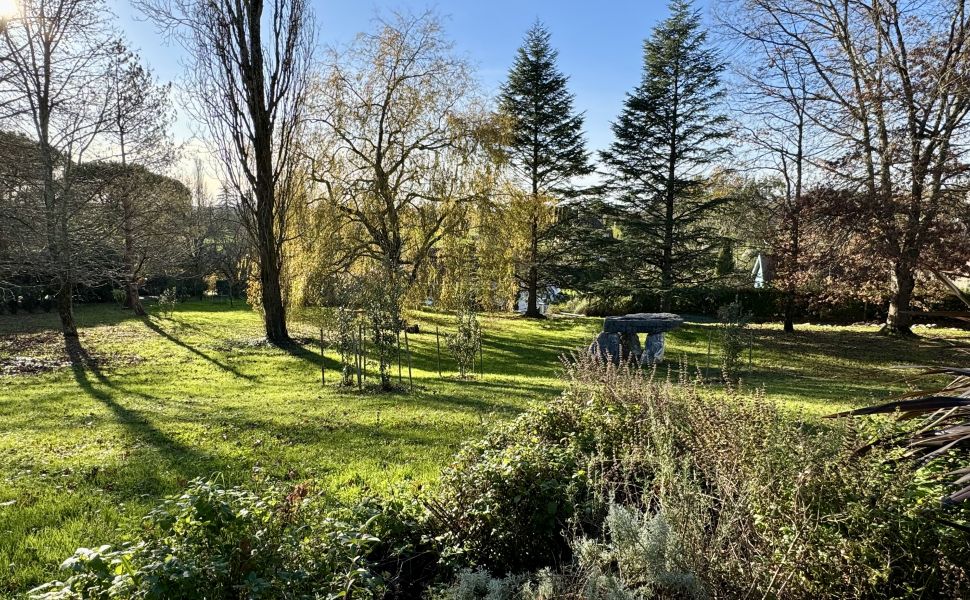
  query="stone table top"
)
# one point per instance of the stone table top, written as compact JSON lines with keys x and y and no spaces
{"x":643,"y":323}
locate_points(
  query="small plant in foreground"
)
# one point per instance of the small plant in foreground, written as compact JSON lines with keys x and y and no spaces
{"x":229,"y":543}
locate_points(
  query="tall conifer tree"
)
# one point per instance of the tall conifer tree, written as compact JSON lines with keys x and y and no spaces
{"x":666,"y":139}
{"x":546,"y":148}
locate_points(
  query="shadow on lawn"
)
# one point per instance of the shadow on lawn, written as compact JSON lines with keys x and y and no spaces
{"x":299,"y":350}
{"x":105,"y":314}
{"x":179,"y":456}
{"x":168,"y":336}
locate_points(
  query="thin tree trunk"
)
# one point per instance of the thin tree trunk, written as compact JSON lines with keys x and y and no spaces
{"x":667,"y":269}
{"x":791,"y":291}
{"x":57,"y":233}
{"x":790,"y":310}
{"x":132,"y":299}
{"x":532,"y":306}
{"x":532,"y":284}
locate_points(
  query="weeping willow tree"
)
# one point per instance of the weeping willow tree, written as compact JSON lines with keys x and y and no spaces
{"x":394,"y":139}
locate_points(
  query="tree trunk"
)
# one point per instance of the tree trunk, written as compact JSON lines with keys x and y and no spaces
{"x":274,"y":313}
{"x":898,"y":321}
{"x":65,"y":310}
{"x":667,"y":268}
{"x":532,"y":308}
{"x":790,"y":310}
{"x":133,"y":300}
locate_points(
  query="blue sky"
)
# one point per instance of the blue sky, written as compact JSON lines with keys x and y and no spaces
{"x":599,"y":42}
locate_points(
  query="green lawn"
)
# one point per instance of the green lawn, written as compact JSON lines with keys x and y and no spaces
{"x":86,"y":450}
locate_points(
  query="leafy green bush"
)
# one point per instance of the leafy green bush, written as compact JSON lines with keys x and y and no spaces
{"x":407,"y":553}
{"x":215,"y":542}
{"x":119,"y":296}
{"x":506,"y":500}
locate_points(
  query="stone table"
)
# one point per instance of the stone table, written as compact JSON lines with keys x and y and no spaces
{"x":618,"y":343}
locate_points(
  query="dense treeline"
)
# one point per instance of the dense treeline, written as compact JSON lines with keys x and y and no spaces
{"x":828,"y":144}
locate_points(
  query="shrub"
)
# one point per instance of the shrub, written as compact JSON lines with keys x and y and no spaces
{"x":754,"y":500}
{"x":479,"y":585}
{"x":231,"y":543}
{"x":383,"y":292}
{"x":506,"y":500}
{"x":464,"y":343}
{"x":119,"y":296}
{"x":167,"y":301}
{"x":733,"y":330}
{"x":638,"y":558}
{"x":344,"y":337}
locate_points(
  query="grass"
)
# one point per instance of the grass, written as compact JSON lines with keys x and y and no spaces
{"x":86,"y":450}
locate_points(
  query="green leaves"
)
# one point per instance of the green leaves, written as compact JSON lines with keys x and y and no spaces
{"x":669,"y":132}
{"x":944,"y":424}
{"x":227,"y":543}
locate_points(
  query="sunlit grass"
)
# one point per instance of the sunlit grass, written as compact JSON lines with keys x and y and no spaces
{"x":85,"y":452}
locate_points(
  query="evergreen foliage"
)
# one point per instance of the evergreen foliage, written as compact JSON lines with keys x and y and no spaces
{"x":666,"y":138}
{"x":545,"y":148}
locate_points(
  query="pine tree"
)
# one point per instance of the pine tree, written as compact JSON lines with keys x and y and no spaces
{"x":666,"y":138}
{"x":546,"y":149}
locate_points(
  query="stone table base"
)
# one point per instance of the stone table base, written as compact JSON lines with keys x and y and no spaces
{"x":619,"y":344}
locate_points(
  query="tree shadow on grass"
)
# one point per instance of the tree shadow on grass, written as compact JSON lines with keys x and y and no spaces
{"x":298,"y":350}
{"x":89,"y":377}
{"x":168,"y":336}
{"x":554,"y":323}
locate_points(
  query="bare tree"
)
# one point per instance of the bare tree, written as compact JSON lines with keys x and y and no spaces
{"x":52,"y":73}
{"x":774,"y":95}
{"x":139,"y":116}
{"x":247,"y":76}
{"x":201,"y":230}
{"x":232,"y":251}
{"x":395,"y":151}
{"x":890,"y":94}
